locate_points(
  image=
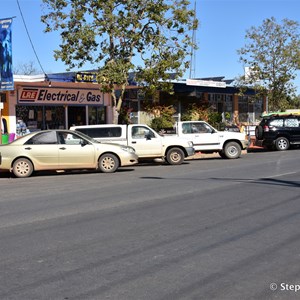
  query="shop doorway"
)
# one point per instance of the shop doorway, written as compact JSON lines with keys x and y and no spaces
{"x":76,"y":116}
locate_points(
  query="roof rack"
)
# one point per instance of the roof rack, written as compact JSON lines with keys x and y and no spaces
{"x":281,"y":113}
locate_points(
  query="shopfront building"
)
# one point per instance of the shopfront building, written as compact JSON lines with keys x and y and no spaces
{"x":219,"y":96}
{"x":37,"y":103}
{"x":56,"y":105}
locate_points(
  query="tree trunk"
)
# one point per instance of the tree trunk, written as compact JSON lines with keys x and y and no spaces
{"x":115,"y":116}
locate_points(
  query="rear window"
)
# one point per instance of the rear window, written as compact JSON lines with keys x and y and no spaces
{"x":105,"y":132}
{"x":277,"y":123}
{"x":291,"y":122}
{"x":43,"y":138}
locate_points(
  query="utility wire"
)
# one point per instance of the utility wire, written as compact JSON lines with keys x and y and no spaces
{"x":30,"y":39}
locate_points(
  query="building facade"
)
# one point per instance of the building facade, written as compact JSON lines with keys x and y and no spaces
{"x":215,"y":93}
{"x":62,"y":100}
{"x":42,"y":104}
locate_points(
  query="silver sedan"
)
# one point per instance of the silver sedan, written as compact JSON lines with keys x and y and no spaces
{"x":63,"y":150}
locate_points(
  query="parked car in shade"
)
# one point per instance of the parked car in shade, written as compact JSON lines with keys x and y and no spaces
{"x":63,"y":150}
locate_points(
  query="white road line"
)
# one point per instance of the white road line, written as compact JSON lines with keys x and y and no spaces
{"x":283,"y":174}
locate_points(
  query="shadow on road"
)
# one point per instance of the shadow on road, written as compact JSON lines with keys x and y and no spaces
{"x":268,"y":181}
{"x":6,"y":174}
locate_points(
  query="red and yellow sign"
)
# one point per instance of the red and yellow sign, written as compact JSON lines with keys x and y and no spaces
{"x":60,"y":96}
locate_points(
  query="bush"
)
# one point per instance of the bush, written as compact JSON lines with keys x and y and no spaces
{"x":214,"y":119}
{"x":195,"y":113}
{"x":159,"y":123}
{"x":163,"y":116}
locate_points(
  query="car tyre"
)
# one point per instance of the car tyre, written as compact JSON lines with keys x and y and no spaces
{"x":22,"y":167}
{"x":175,"y":156}
{"x":232,"y":150}
{"x":108,"y":163}
{"x":282,"y":144}
{"x":259,"y":132}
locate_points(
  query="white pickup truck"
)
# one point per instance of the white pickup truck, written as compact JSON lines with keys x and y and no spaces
{"x":207,"y":139}
{"x":147,"y":143}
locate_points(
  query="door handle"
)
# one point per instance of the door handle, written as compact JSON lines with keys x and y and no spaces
{"x":133,"y":142}
{"x":62,"y":148}
{"x":28,"y":148}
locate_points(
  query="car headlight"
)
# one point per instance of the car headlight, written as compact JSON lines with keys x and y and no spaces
{"x":128,"y":149}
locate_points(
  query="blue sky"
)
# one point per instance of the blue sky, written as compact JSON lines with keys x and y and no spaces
{"x":223,"y":25}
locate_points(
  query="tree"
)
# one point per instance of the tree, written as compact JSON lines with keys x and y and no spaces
{"x":26,"y":69}
{"x":147,"y":37}
{"x":273,"y":57}
{"x":294,"y":102}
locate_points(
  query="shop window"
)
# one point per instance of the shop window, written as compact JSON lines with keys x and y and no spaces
{"x":96,"y":115}
{"x":41,"y":117}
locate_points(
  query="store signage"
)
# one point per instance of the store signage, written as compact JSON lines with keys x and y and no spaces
{"x":86,"y":77}
{"x":209,"y":83}
{"x":59,"y":96}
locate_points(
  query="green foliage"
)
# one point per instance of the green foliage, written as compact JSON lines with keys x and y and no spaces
{"x":294,"y":103}
{"x":159,"y":123}
{"x":163,"y":116}
{"x":149,"y":37}
{"x":195,"y":113}
{"x":202,"y":113}
{"x":273,"y":56}
{"x":214,"y":118}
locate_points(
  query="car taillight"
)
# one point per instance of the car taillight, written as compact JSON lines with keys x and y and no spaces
{"x":266,"y":128}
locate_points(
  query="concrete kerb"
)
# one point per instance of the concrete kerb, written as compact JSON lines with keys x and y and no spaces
{"x":200,"y":155}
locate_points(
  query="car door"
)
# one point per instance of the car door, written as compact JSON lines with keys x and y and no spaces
{"x":75,"y":152}
{"x":145,"y":141}
{"x":201,"y":134}
{"x":42,"y":149}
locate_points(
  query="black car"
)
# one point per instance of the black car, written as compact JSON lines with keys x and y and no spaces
{"x":278,"y":131}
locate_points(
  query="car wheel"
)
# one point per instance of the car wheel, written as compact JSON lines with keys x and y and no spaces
{"x":259,"y":132}
{"x":232,"y":150}
{"x":282,"y":144}
{"x":175,"y":156}
{"x":22,"y":168}
{"x":108,"y":163}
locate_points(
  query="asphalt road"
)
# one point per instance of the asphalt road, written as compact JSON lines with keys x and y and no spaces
{"x":208,"y":229}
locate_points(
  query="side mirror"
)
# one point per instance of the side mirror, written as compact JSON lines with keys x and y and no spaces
{"x":148,"y":136}
{"x":83,"y":143}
